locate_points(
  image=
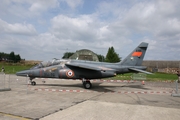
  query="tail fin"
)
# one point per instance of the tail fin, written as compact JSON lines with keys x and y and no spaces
{"x":136,"y":57}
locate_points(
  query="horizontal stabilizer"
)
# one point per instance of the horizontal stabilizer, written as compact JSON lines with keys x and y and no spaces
{"x":138,"y":70}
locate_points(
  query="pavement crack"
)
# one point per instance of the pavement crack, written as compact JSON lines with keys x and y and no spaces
{"x":96,"y":96}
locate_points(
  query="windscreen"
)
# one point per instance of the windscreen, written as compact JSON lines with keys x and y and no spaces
{"x":49,"y":63}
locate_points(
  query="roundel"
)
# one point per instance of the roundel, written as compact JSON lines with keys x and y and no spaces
{"x":70,"y":73}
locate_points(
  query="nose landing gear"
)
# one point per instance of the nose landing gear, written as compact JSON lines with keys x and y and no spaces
{"x":33,"y":83}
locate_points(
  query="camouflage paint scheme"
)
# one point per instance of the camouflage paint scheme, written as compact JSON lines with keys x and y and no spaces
{"x":87,"y":70}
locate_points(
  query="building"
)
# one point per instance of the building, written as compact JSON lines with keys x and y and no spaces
{"x":162,"y":66}
{"x":85,"y":54}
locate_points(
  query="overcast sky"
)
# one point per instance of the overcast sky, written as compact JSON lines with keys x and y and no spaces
{"x":45,"y":29}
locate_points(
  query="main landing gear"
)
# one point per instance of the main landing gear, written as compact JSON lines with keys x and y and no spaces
{"x":86,"y":83}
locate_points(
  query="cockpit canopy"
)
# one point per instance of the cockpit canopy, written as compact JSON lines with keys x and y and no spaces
{"x":49,"y":63}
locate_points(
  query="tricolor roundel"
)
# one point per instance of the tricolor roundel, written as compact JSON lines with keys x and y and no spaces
{"x":70,"y":73}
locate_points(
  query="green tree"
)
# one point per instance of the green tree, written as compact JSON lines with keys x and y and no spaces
{"x":4,"y":55}
{"x":112,"y":56}
{"x":17,"y":58}
{"x":12,"y":56}
{"x":101,"y":58}
{"x":67,"y":55}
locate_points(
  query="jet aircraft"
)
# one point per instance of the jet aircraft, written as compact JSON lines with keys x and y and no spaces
{"x":87,"y":70}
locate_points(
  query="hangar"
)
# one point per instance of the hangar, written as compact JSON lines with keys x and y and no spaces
{"x":84,"y":54}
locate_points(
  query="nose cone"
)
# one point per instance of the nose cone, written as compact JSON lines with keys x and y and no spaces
{"x":23,"y":73}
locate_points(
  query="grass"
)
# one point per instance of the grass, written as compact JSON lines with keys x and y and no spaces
{"x":154,"y":77}
{"x":162,"y":76}
{"x":12,"y":68}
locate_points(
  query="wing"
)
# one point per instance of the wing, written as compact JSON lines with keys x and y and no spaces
{"x":138,"y":70}
{"x":87,"y":66}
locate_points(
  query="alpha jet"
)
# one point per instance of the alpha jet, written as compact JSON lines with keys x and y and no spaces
{"x":87,"y":70}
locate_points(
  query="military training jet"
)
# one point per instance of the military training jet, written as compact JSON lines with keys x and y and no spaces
{"x":87,"y":70}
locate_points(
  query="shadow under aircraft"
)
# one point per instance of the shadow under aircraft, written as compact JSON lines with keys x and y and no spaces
{"x":87,"y":70}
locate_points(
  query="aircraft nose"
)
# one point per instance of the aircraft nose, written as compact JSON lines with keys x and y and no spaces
{"x":23,"y":73}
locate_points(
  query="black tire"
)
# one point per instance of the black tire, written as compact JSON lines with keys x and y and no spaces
{"x":87,"y":85}
{"x":33,"y":83}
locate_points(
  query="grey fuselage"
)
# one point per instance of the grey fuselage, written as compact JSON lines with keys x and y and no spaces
{"x":64,"y":71}
{"x":81,"y":69}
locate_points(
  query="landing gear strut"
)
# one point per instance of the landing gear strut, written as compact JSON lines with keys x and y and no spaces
{"x":33,"y":83}
{"x":86,"y":83}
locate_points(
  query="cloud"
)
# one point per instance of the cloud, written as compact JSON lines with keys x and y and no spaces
{"x":38,"y":6}
{"x":147,"y":21}
{"x":73,"y":27}
{"x":17,"y":28}
{"x":50,"y":28}
{"x":74,"y":3}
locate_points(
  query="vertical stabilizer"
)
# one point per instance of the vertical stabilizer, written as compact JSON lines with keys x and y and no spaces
{"x":136,"y":57}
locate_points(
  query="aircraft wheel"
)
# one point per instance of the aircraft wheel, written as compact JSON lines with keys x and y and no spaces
{"x":87,"y":85}
{"x":33,"y":83}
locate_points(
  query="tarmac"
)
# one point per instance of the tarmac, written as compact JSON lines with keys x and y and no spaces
{"x":68,"y":100}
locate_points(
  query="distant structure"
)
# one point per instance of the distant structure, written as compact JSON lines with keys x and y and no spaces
{"x":84,"y":54}
{"x":30,"y":62}
{"x":162,"y":66}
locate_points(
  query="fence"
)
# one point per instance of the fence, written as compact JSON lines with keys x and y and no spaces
{"x":4,"y":83}
{"x":139,"y":76}
{"x":9,"y":81}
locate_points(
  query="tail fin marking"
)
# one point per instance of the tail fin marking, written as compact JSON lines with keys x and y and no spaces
{"x":138,"y":54}
{"x":136,"y":57}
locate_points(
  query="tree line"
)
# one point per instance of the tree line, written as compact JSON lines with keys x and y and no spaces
{"x":11,"y":57}
{"x":111,"y":56}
